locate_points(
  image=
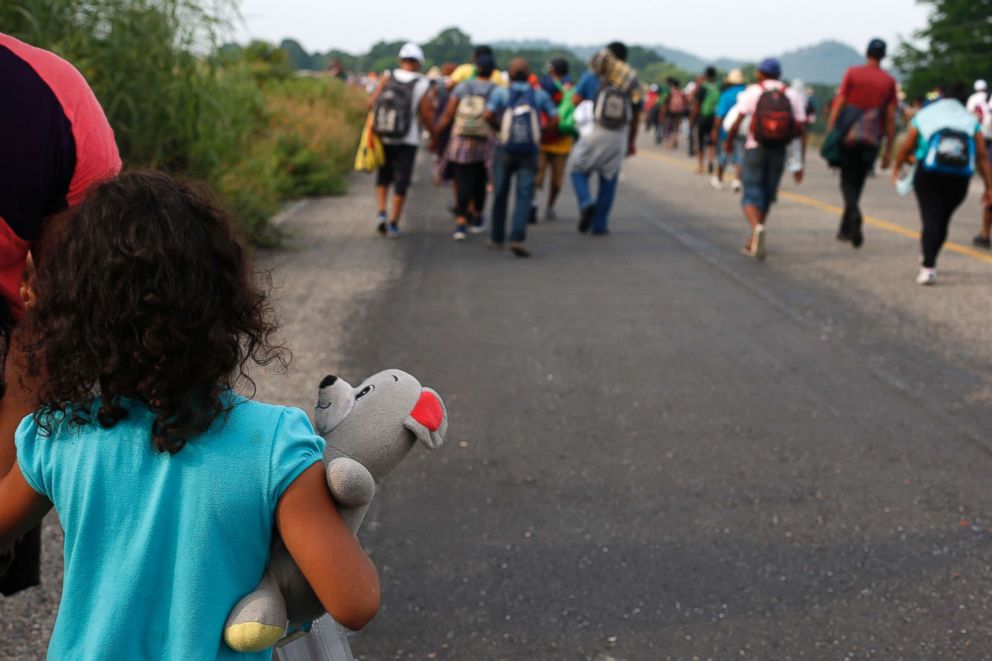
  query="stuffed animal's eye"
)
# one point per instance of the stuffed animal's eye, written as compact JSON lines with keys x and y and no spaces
{"x":367,"y":390}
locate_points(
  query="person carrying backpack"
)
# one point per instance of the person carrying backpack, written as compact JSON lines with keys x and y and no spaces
{"x":557,"y":140}
{"x":400,"y":104}
{"x":617,"y":96}
{"x":978,"y":104}
{"x":864,"y":116}
{"x":674,"y":109}
{"x":515,"y":113}
{"x":470,"y":146}
{"x":702,"y":117}
{"x":777,"y":116}
{"x":947,"y":145}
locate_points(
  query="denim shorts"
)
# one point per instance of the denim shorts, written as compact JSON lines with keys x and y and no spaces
{"x":762,"y":173}
{"x":736,"y":158}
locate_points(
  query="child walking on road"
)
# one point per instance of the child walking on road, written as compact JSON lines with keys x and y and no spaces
{"x":168,"y":485}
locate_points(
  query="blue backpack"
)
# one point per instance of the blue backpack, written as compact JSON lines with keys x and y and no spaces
{"x":520,"y":132}
{"x":950,"y":151}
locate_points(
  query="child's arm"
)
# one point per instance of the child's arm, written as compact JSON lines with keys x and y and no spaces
{"x":21,"y":507}
{"x":330,"y":557}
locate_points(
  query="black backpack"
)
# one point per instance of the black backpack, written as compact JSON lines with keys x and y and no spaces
{"x":393,"y":111}
{"x":612,"y":107}
{"x":774,"y":123}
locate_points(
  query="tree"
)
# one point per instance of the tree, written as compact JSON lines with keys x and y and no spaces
{"x":451,"y":45}
{"x":956,"y":46}
{"x":298,"y":57}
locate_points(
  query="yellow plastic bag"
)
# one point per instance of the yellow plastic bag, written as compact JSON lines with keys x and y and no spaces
{"x":371,"y":155}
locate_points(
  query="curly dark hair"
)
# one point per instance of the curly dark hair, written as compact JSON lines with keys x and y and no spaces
{"x":147,"y":295}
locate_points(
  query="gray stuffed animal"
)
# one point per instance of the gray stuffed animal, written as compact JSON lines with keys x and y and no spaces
{"x":369,"y":430}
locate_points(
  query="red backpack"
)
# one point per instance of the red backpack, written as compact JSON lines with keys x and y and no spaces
{"x":774,"y":122}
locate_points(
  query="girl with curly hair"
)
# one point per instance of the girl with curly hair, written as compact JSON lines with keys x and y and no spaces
{"x":168,"y":484}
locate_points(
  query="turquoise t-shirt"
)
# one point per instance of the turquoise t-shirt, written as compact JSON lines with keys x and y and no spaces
{"x":159,"y":547}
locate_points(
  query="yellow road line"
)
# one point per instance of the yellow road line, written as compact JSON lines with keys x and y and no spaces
{"x":834,"y":210}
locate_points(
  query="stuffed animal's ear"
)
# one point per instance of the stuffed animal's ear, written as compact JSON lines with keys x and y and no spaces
{"x":428,"y":420}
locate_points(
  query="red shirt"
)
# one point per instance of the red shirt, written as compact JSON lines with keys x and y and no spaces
{"x":56,"y":144}
{"x":867,"y":87}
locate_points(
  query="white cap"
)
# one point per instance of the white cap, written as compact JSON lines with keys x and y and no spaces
{"x":981,"y":85}
{"x":411,"y":51}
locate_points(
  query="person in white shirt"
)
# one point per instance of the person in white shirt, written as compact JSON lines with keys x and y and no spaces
{"x":778,"y":115}
{"x":401,"y":150}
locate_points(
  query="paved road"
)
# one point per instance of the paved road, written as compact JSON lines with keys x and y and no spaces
{"x":659,"y":449}
{"x":663,"y":450}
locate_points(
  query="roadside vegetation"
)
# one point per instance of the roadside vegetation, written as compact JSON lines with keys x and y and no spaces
{"x":239,"y":118}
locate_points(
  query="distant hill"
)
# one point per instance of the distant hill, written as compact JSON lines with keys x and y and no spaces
{"x":823,"y":63}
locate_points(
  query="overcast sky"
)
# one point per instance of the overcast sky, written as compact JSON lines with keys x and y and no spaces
{"x":746,"y":29}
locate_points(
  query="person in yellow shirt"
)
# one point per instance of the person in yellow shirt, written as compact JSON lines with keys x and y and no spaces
{"x":556,"y":144}
{"x":468,"y":71}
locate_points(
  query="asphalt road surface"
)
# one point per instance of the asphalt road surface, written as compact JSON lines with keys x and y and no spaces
{"x":659,"y":449}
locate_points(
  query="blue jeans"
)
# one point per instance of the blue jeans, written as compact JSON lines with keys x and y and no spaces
{"x":604,"y":199}
{"x":525,"y":169}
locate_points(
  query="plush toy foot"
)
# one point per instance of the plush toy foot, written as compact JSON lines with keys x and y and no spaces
{"x":258,"y":621}
{"x":252,"y":636}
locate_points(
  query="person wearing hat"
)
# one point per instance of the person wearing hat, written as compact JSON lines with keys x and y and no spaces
{"x":734,"y":85}
{"x":764,"y":152}
{"x":978,"y":105}
{"x":864,"y":111}
{"x":401,"y":151}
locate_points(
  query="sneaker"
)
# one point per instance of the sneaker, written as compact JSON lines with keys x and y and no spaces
{"x":460,"y":234}
{"x":716,"y":183}
{"x":758,"y":243}
{"x":518,"y":249}
{"x":927,"y":277}
{"x":550,"y":214}
{"x":585,"y":221}
{"x":380,"y":226}
{"x":392,"y":231}
{"x":982,"y":242}
{"x":735,"y":185}
{"x":478,"y":225}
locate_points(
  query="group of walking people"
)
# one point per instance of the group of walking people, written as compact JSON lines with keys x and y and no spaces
{"x":490,"y":131}
{"x":506,"y":135}
{"x":761,"y":131}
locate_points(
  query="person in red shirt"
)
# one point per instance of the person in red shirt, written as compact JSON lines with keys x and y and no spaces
{"x":864,"y":111}
{"x":56,"y":144}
